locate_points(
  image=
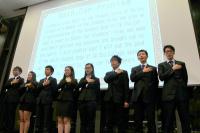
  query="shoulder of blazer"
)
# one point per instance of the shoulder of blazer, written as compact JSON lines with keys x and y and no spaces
{"x":162,"y":63}
{"x":42,"y":79}
{"x":82,"y":79}
{"x":179,"y":62}
{"x":52,"y":78}
{"x":21,"y":78}
{"x":10,"y":79}
{"x":125,"y":71}
{"x":155,"y":68}
{"x":34,"y":83}
{"x":97,"y":79}
{"x":76,"y":81}
{"x":136,"y":67}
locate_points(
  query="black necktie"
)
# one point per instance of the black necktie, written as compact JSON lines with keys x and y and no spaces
{"x":171,"y":63}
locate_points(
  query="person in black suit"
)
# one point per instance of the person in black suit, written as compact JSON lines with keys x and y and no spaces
{"x":88,"y":97}
{"x":27,"y":102}
{"x":144,"y":94}
{"x":67,"y":89}
{"x":174,"y":93}
{"x":48,"y":90}
{"x":13,"y":92}
{"x":116,"y":97}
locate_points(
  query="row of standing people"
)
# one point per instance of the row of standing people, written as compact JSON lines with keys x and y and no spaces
{"x":86,"y":93}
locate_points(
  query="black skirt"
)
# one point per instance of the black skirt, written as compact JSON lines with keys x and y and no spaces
{"x":64,"y":108}
{"x":27,"y":102}
{"x":27,"y":107}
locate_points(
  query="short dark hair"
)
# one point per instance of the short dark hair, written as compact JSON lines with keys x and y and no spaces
{"x":117,"y":58}
{"x":168,"y":46}
{"x":18,"y":68}
{"x":142,"y":50}
{"x":50,"y":67}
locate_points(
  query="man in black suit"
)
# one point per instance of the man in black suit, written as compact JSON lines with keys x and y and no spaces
{"x":13,"y":91}
{"x":116,"y":97}
{"x":174,"y":93}
{"x":48,"y":90}
{"x":144,"y":94}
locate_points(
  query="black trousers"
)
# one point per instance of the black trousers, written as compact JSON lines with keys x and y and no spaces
{"x":74,"y":118}
{"x":9,"y":118}
{"x":43,"y":118}
{"x":142,"y":109}
{"x":87,"y":111}
{"x":2,"y":111}
{"x":169,"y":108}
{"x":115,"y":115}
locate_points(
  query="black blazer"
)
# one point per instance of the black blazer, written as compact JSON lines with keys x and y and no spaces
{"x":145,"y":84}
{"x":89,"y":91}
{"x":175,"y":82}
{"x":30,"y":93}
{"x":118,"y":87}
{"x":68,"y":89}
{"x":47,"y":93}
{"x":14,"y":91}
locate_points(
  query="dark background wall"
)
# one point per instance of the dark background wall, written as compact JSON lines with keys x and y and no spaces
{"x":195,"y":12}
{"x":8,"y":48}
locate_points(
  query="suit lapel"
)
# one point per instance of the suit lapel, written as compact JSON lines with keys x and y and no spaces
{"x":177,"y":62}
{"x":167,"y":64}
{"x":148,"y":65}
{"x":139,"y":68}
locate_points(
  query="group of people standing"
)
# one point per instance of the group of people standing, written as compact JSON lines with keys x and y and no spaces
{"x":33,"y":96}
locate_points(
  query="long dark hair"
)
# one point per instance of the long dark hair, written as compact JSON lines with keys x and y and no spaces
{"x":33,"y":76}
{"x":93,"y":74}
{"x":72,"y":73}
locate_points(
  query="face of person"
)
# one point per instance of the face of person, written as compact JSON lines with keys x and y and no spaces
{"x":48,"y":72}
{"x":68,"y":72}
{"x":115,"y":64}
{"x":30,"y":77}
{"x":16,"y":72}
{"x":169,"y":53}
{"x":88,"y":69}
{"x":142,"y":57}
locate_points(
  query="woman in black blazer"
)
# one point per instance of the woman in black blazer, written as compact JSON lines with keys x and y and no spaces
{"x":66,"y":88}
{"x":89,"y":96}
{"x":27,"y":102}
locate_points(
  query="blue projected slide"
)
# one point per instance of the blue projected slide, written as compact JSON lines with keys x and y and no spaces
{"x":91,"y":32}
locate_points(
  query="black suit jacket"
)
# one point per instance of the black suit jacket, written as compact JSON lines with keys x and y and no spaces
{"x":175,"y":82}
{"x":68,"y":89}
{"x":14,"y":91}
{"x":47,"y":93}
{"x":145,"y":84}
{"x":89,"y":91}
{"x":118,"y":87}
{"x":30,"y":93}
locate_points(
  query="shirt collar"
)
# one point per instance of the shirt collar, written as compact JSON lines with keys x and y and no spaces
{"x":116,"y":69}
{"x":48,"y":77}
{"x":16,"y":77}
{"x":145,"y":64}
{"x":173,"y":60}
